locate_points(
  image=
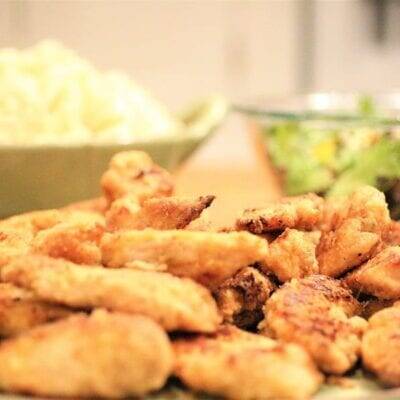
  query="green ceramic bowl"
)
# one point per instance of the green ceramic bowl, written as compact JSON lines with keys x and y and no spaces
{"x":40,"y":177}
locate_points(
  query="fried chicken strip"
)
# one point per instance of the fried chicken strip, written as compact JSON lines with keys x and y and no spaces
{"x":301,"y":212}
{"x":314,"y":313}
{"x":173,"y":302}
{"x":103,"y":355}
{"x":381,"y":345}
{"x":240,"y":365}
{"x":158,"y":213}
{"x":13,"y":243}
{"x":353,"y":232}
{"x":292,"y":255}
{"x":135,"y":173}
{"x":380,"y":276}
{"x":207,"y":257}
{"x":242,"y":297}
{"x":20,"y":310}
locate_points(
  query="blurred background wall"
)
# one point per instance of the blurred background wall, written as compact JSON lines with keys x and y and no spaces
{"x":244,"y":49}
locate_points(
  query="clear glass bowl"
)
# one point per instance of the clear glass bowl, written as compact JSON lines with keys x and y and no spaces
{"x":330,"y":143}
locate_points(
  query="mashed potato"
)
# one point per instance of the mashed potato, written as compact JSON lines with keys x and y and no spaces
{"x":48,"y":94}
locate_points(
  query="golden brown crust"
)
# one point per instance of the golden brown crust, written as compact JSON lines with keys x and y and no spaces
{"x":242,"y":297}
{"x":207,"y":257}
{"x":380,"y":276}
{"x":103,"y":355}
{"x":353,"y":232}
{"x":292,"y":255}
{"x":173,"y":302}
{"x":381,"y":346}
{"x":134,"y":173}
{"x":240,"y":365}
{"x":391,"y":236}
{"x":314,"y":313}
{"x":159,"y":213}
{"x":13,"y":243}
{"x":301,"y":212}
{"x":20,"y":310}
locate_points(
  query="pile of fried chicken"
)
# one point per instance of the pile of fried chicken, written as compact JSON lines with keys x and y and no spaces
{"x":113,"y":297}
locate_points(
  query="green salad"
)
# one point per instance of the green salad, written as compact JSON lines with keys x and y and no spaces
{"x":334,"y":155}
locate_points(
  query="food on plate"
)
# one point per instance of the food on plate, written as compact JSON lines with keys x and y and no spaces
{"x":241,"y":365}
{"x":297,"y":276}
{"x":381,"y":345}
{"x":173,"y":302}
{"x":380,"y":276}
{"x":317,"y":313}
{"x":51,"y":95}
{"x":242,"y":297}
{"x":134,"y":173}
{"x":159,"y":213}
{"x":206,"y":257}
{"x":102,"y":355}
{"x":292,"y":255}
{"x":21,"y":310}
{"x":353,"y":232}
{"x":302,"y":212}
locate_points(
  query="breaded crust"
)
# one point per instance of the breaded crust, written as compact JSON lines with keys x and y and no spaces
{"x":381,"y":346}
{"x":240,"y":365}
{"x":380,"y":276}
{"x":177,"y":304}
{"x":353,"y":232}
{"x":20,"y":310}
{"x":13,"y":243}
{"x":242,"y":297}
{"x":301,"y":212}
{"x":134,"y":173}
{"x":292,"y":255}
{"x":207,"y":257}
{"x":314,"y":313}
{"x":103,"y":355}
{"x":158,"y":213}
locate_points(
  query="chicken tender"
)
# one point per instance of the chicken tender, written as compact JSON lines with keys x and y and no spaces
{"x":77,"y":242}
{"x":292,"y":255}
{"x":103,"y":355}
{"x":381,"y":345}
{"x":380,"y":276}
{"x":207,"y":257}
{"x":177,"y":304}
{"x":240,"y":365}
{"x":301,"y":212}
{"x":20,"y":310}
{"x":135,"y":173}
{"x":392,"y":235}
{"x":314,"y":313}
{"x":242,"y":297}
{"x":158,"y":213}
{"x":354,"y":232}
{"x":13,"y":243}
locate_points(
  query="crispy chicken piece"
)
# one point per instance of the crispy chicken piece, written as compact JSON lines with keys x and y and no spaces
{"x":20,"y":310}
{"x":292,"y":255}
{"x":380,"y":276}
{"x":381,"y":345}
{"x":158,"y":213}
{"x":77,"y":242}
{"x":173,"y":302}
{"x":13,"y":243}
{"x":314,"y":313}
{"x":106,"y":354}
{"x":207,"y":257}
{"x":354,"y":231}
{"x":240,"y":365}
{"x":392,"y":235}
{"x":242,"y":297}
{"x":301,"y":212}
{"x":135,"y":173}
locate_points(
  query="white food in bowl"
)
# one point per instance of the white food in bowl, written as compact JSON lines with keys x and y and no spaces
{"x":48,"y":94}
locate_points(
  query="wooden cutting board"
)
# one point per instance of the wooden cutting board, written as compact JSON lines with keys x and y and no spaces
{"x":233,"y":166}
